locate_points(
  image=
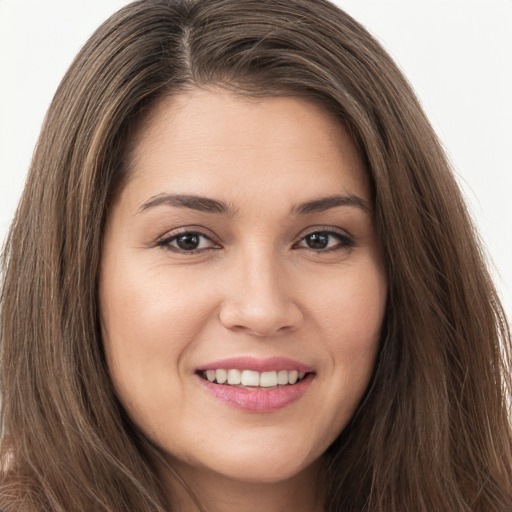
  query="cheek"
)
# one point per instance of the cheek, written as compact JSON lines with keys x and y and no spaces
{"x":137,"y":299}
{"x":351,"y":316}
{"x":148,"y":328}
{"x":352,"y":310}
{"x":149,"y":320}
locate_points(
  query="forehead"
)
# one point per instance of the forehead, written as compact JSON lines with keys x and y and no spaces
{"x":215,"y":142}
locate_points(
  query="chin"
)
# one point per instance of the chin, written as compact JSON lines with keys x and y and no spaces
{"x":264,"y":470}
{"x":273,"y":462}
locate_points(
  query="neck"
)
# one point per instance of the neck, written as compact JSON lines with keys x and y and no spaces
{"x":193,"y":490}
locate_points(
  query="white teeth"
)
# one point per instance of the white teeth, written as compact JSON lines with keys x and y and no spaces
{"x":282,"y":377}
{"x":221,"y":376}
{"x":234,"y":376}
{"x":251,"y":378}
{"x":268,"y":379}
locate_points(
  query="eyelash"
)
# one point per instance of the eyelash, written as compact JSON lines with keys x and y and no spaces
{"x":345,"y":241}
{"x":166,"y":242}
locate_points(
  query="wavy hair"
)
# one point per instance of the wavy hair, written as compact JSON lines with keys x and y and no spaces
{"x":433,"y":431}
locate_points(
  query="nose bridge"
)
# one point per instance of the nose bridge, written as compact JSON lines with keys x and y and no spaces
{"x":260,"y":299}
{"x":263,"y":280}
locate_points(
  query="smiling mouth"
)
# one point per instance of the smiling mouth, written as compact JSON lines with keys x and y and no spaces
{"x":253,"y":379}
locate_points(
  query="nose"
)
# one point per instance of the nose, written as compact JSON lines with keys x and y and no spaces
{"x":259,"y":299}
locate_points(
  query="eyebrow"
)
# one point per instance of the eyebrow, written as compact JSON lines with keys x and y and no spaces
{"x":325,"y":203}
{"x":199,"y":203}
{"x":208,"y":205}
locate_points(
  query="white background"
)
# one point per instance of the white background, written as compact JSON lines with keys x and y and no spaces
{"x":456,"y":53}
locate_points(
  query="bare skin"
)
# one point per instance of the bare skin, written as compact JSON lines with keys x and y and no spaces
{"x":244,"y":231}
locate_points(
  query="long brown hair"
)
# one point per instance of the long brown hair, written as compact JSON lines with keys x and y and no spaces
{"x":433,"y":431}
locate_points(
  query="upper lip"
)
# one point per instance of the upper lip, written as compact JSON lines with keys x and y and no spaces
{"x":257,"y":365}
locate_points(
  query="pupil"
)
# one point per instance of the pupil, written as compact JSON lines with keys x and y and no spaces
{"x":188,"y":242}
{"x":318,"y":240}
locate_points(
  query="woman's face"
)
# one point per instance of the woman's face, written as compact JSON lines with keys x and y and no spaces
{"x":242,"y":247}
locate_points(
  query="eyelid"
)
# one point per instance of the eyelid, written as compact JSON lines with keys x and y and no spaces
{"x":347,"y":240}
{"x":165,"y":240}
{"x":326,"y":229}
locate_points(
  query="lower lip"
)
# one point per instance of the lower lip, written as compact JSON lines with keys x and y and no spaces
{"x":258,"y":399}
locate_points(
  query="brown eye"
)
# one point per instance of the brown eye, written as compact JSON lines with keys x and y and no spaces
{"x":326,"y":241}
{"x":187,"y":242}
{"x":317,"y":240}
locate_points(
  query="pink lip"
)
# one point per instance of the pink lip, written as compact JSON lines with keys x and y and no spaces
{"x":257,"y":365}
{"x":257,"y":399}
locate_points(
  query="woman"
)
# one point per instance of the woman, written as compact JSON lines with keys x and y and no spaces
{"x":242,"y":277}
